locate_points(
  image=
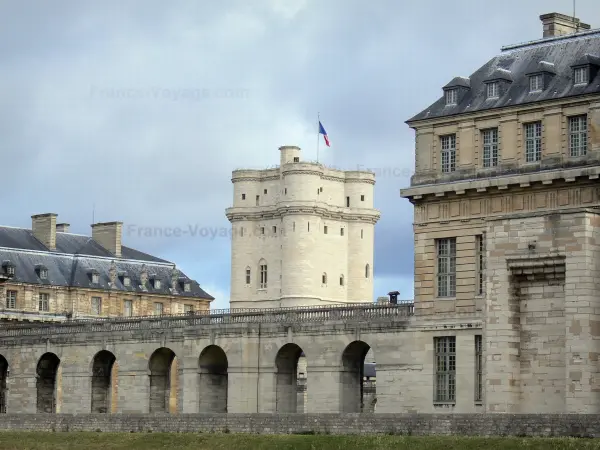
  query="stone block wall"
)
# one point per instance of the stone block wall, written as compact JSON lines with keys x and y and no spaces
{"x":573,"y":425}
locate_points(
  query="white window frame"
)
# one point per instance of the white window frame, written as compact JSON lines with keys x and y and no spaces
{"x":127,"y":308}
{"x":11,"y":299}
{"x":446,"y":267}
{"x":533,"y":141}
{"x":96,"y":306}
{"x":578,"y":135}
{"x":493,"y":89}
{"x":44,"y":302}
{"x":489,"y":138}
{"x":451,"y":96}
{"x":536,"y":83}
{"x":580,"y":76}
{"x":448,"y":152}
{"x":159,"y":308}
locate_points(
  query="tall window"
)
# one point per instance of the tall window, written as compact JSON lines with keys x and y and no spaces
{"x":247,"y":275}
{"x":580,"y":75}
{"x":44,"y":302}
{"x":578,"y":135}
{"x":480,"y":261}
{"x":490,"y":147}
{"x":536,"y":83}
{"x":96,"y":306}
{"x":188,"y":309}
{"x":11,"y":299}
{"x":451,"y":96}
{"x":493,"y":90}
{"x":158,"y":309}
{"x":533,"y":141}
{"x":446,"y":267}
{"x":478,"y":368}
{"x":127,"y":308}
{"x":324,"y":278}
{"x":367,"y":271}
{"x":448,"y":144}
{"x":263,"y":276}
{"x":445,"y":369}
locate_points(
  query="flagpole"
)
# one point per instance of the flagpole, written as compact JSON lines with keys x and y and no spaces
{"x":318,"y":134}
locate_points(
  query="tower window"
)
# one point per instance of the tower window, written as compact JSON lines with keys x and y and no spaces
{"x":262,"y":230}
{"x":274,"y":230}
{"x":362,"y":198}
{"x":367,"y":271}
{"x":341,"y":280}
{"x":243,"y":196}
{"x":341,"y":231}
{"x":265,"y":192}
{"x":257,"y":200}
{"x":296,"y":159}
{"x":361,"y":234}
{"x":263,"y":276}
{"x":324,"y":278}
{"x":325,"y":229}
{"x":347,"y":202}
{"x":247,"y":275}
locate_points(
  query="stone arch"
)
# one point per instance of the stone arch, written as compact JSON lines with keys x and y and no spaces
{"x":162,"y":385}
{"x":46,"y":371}
{"x":213,"y":381}
{"x":102,"y":371}
{"x":286,"y":363}
{"x":3,"y":378}
{"x":352,"y":375}
{"x":367,"y":271}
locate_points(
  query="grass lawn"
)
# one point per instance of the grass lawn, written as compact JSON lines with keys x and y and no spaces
{"x":175,"y":441}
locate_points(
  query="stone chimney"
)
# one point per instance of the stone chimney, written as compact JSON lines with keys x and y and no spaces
{"x":44,"y":229}
{"x":556,"y":24}
{"x":62,"y":227}
{"x":108,"y":235}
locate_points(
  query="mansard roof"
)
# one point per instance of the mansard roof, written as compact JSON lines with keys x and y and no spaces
{"x":554,"y":55}
{"x":76,"y":256}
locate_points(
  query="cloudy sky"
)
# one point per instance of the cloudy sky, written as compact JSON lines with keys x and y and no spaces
{"x":138,"y":111}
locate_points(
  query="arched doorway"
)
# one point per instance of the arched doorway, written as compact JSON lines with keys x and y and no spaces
{"x":287,"y":390}
{"x":213,"y":381}
{"x":352,"y":378}
{"x":160,"y":365}
{"x":46,"y":371}
{"x":102,"y":367}
{"x":3,"y":377}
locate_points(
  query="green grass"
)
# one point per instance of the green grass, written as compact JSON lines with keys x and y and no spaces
{"x":148,"y":441}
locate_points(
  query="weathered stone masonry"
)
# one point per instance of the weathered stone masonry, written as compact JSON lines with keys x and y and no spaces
{"x":237,"y":362}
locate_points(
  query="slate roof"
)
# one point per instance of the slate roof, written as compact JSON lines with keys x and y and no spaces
{"x":76,"y":256}
{"x":555,"y":55}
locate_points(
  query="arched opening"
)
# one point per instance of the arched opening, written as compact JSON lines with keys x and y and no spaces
{"x":3,"y":377}
{"x":262,"y":274}
{"x":102,"y":367}
{"x":213,"y":381}
{"x":341,"y":279}
{"x":161,"y":385}
{"x":46,"y":371}
{"x":289,"y":359}
{"x":357,"y":382}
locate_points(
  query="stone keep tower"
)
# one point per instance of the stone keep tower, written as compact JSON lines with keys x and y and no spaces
{"x":302,"y":235}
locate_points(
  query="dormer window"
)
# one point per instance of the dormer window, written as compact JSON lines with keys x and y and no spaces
{"x":451,"y":96}
{"x":580,"y":75}
{"x":126,"y":281}
{"x":155,"y":283}
{"x":492,"y":90}
{"x":94,"y":276}
{"x":42,"y":272}
{"x":536,"y":83}
{"x":9,"y":268}
{"x":187,"y":287}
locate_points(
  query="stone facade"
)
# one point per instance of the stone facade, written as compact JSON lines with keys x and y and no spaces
{"x":303,"y":235}
{"x":506,"y":218}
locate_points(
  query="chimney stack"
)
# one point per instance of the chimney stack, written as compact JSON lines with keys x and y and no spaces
{"x":62,"y":227}
{"x":108,"y":235}
{"x":556,"y":24}
{"x":44,"y":229}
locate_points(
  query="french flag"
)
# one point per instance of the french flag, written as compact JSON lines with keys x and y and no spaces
{"x":324,"y":133}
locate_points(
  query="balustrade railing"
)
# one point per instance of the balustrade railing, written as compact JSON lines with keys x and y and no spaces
{"x":340,"y":312}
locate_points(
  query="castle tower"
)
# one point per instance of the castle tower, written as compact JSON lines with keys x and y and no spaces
{"x":302,"y":235}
